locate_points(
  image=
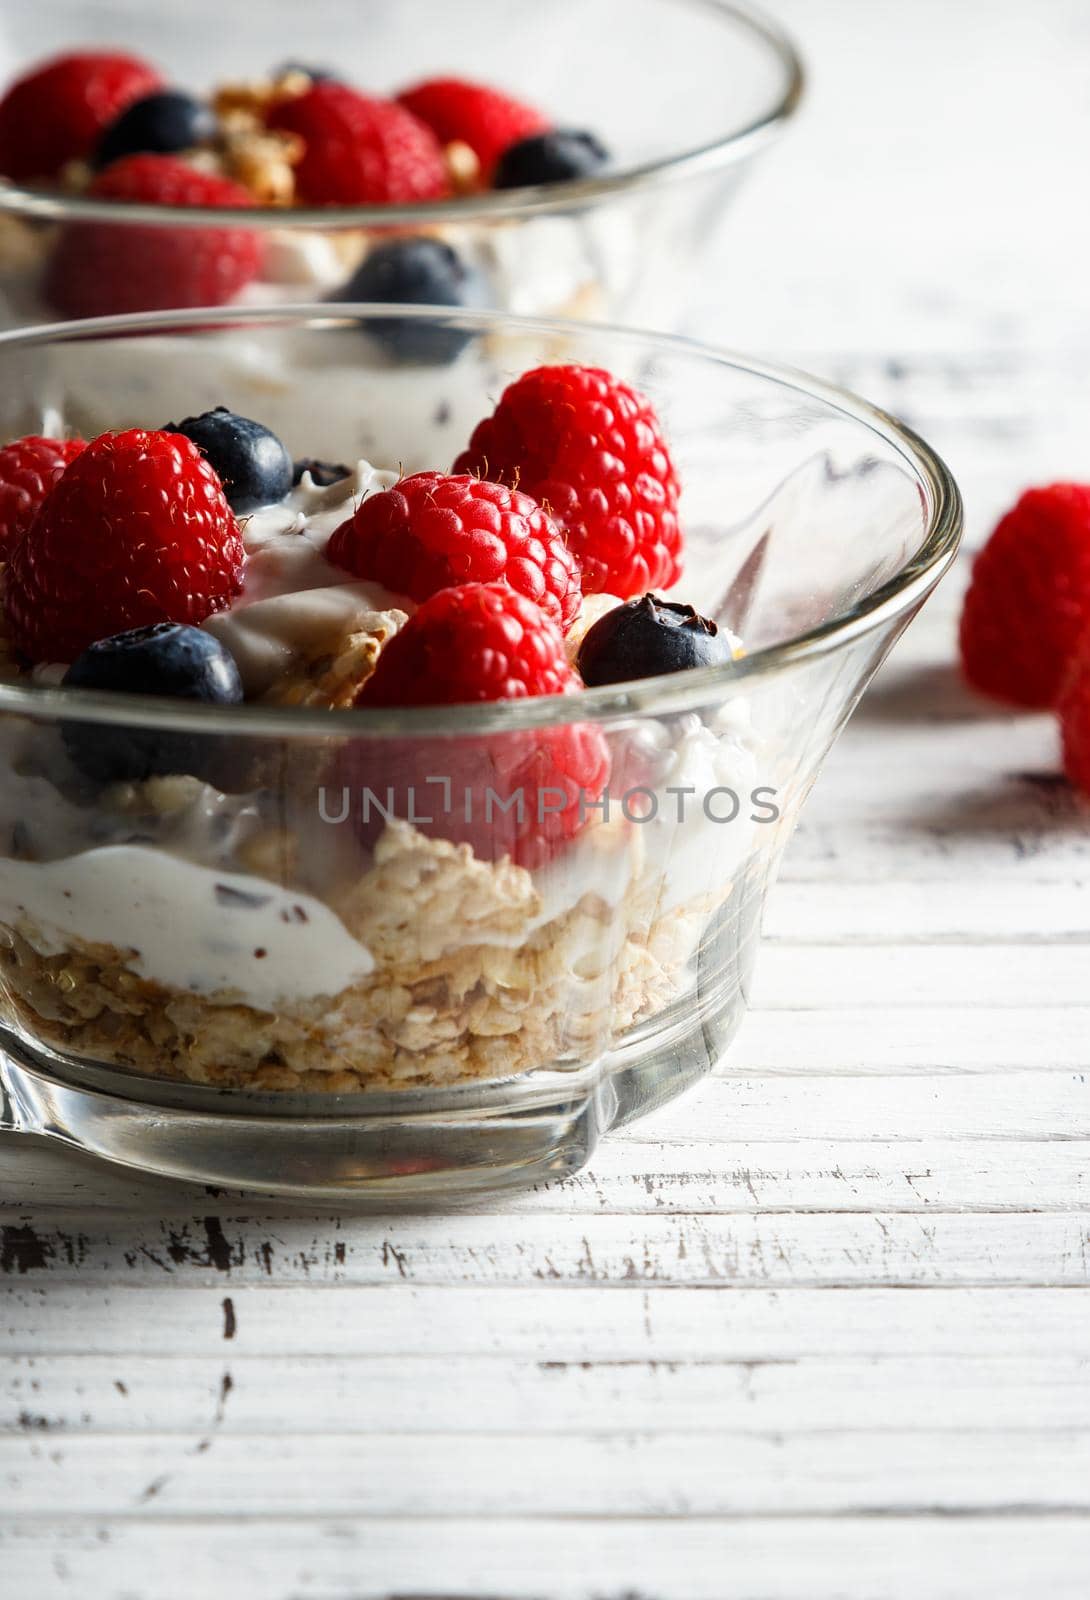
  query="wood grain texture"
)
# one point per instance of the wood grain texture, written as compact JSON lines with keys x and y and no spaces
{"x":819,"y":1331}
{"x":601,"y":1323}
{"x":310,"y":1396}
{"x":628,"y":1474}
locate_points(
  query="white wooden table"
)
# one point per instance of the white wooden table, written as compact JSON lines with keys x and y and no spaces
{"x":820,"y":1331}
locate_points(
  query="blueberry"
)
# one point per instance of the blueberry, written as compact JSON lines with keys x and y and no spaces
{"x":167,"y":658}
{"x":323,"y":473}
{"x":415,"y":271}
{"x":252,"y":464}
{"x":559,"y":156}
{"x":645,"y":637}
{"x":160,"y":124}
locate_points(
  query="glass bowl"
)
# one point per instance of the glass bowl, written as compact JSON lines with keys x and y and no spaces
{"x":253,"y":975}
{"x":684,"y":92}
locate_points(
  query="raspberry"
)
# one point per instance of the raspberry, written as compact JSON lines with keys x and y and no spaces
{"x":487,"y":121}
{"x":103,"y":267}
{"x":590,"y":449}
{"x":430,"y":532}
{"x":136,"y":531}
{"x":360,"y":151}
{"x":515,"y":794}
{"x":28,"y":470}
{"x":1074,"y":710}
{"x":479,"y":641}
{"x":56,"y":113}
{"x":1029,"y":600}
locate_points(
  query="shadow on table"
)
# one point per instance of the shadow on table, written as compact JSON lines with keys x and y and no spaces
{"x":930,"y":692}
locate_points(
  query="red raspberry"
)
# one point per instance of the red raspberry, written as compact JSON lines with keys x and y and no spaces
{"x":590,"y":449}
{"x":361,"y":151}
{"x":1074,"y":710}
{"x":56,"y":113}
{"x":480,"y":642}
{"x":431,"y":531}
{"x":136,"y":531}
{"x":99,"y":268}
{"x":28,"y":470}
{"x":487,"y":121}
{"x":1029,"y":600}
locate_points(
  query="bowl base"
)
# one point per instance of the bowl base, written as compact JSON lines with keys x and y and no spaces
{"x":417,"y":1148}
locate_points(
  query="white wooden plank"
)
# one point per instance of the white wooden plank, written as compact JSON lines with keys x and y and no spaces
{"x":778,"y":1249}
{"x":954,"y":911}
{"x":826,"y":1176}
{"x":858,"y":1040}
{"x":815,"y":976}
{"x":625,"y":1473}
{"x":54,"y":1397}
{"x":1031,"y":828}
{"x":582,"y":1558}
{"x":956,"y":1106}
{"x":630,"y":1322}
{"x":951,"y":777}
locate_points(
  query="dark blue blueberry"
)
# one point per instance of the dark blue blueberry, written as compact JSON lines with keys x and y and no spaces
{"x":415,"y":271}
{"x":323,"y":473}
{"x":169,"y":659}
{"x":251,"y":462}
{"x":160,"y":124}
{"x":646,"y":637}
{"x":559,"y":156}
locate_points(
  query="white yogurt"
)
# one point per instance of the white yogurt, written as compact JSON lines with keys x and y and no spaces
{"x":293,"y":600}
{"x":187,"y":926}
{"x":702,"y":828}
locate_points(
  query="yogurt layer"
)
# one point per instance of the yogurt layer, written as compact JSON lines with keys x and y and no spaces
{"x":294,"y":601}
{"x":187,"y":926}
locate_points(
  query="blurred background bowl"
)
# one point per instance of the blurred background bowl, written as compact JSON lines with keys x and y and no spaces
{"x":684,"y":93}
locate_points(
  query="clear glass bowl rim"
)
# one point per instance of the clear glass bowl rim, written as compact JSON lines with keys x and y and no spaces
{"x":500,"y":205}
{"x":669,"y":693}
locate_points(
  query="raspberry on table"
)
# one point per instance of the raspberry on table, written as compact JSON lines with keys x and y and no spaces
{"x":360,"y":151}
{"x":590,"y":449}
{"x":99,"y":268}
{"x":1028,"y":603}
{"x":56,"y":113}
{"x":473,"y":114}
{"x":136,"y":531}
{"x":28,"y":470}
{"x":516,"y":794}
{"x":430,"y":532}
{"x":1073,"y":706}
